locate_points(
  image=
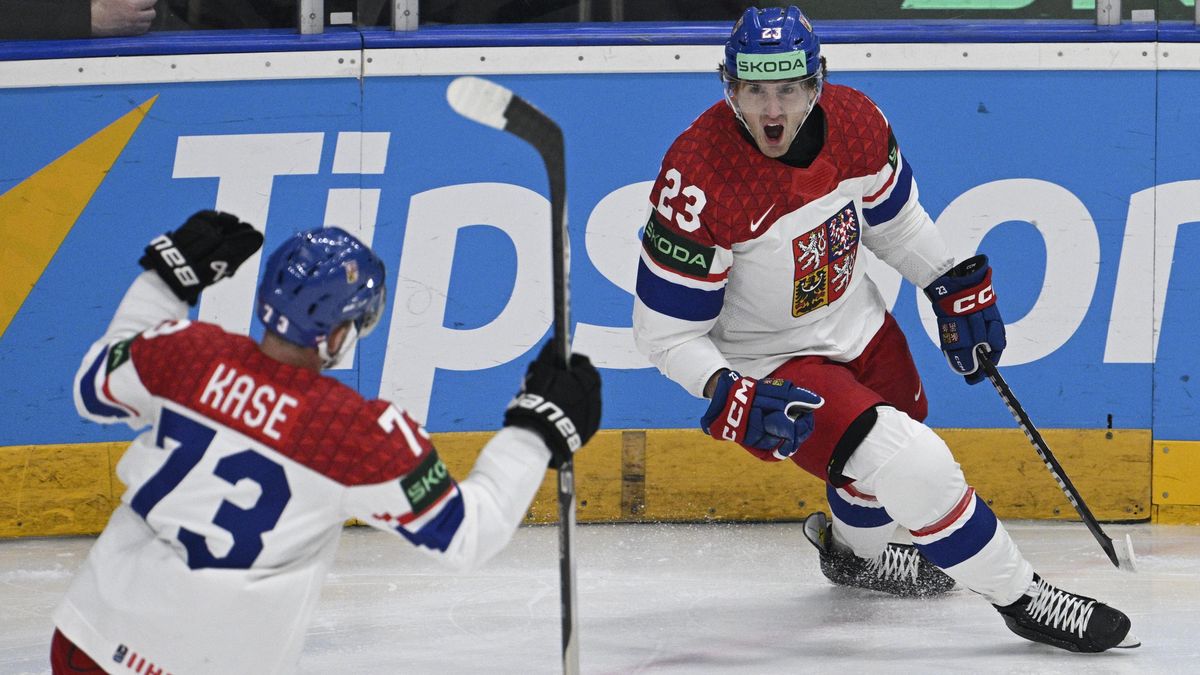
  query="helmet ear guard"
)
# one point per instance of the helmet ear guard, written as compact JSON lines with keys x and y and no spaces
{"x":355,"y":331}
{"x":331,"y":359}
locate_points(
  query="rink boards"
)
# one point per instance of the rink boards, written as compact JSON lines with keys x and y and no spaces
{"x":1073,"y":165}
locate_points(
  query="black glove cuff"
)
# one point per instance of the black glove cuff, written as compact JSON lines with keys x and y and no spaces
{"x":165,"y":259}
{"x":969,"y":266}
{"x":535,"y":413}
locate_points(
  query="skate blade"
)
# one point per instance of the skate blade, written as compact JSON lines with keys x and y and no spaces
{"x":814,"y":527}
{"x":1129,"y":642}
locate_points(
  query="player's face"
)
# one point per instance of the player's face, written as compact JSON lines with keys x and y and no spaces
{"x":773,"y":111}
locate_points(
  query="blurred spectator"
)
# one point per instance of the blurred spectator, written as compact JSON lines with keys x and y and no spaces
{"x":121,"y":17}
{"x":57,"y":19}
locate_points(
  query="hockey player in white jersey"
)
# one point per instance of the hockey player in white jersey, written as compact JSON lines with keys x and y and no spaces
{"x":252,"y":461}
{"x":750,"y":292}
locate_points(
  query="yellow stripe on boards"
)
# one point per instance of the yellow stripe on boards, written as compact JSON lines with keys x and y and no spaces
{"x":1109,"y":468}
{"x":1176,"y":515}
{"x":684,"y":476}
{"x":37,"y":213}
{"x":49,"y":490}
{"x":1177,"y":473}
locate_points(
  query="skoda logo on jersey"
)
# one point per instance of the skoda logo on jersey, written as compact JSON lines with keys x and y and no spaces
{"x":783,"y":66}
{"x":676,"y":252}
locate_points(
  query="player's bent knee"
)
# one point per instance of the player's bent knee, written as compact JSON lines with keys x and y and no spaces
{"x":922,"y":481}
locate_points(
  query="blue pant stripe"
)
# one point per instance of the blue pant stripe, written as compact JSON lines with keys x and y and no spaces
{"x":966,"y":542}
{"x":853,"y":514}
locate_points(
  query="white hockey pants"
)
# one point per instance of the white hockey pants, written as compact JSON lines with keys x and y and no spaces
{"x":904,"y":474}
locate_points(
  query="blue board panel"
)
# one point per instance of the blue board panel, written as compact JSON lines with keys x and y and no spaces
{"x":1176,"y":411}
{"x":1058,"y":154}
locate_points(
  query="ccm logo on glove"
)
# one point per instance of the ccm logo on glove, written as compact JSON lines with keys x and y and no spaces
{"x":972,"y":300}
{"x":553,"y":414}
{"x":965,"y":304}
{"x":739,"y":403}
{"x":983,"y":298}
{"x":769,"y":417}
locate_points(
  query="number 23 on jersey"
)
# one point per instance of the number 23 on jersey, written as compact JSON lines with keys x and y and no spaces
{"x":688,"y":217}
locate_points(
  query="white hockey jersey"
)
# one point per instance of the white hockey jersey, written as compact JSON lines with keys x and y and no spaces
{"x":747,"y":261}
{"x":237,"y":494}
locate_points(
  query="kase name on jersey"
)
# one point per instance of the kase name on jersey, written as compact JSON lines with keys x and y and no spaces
{"x":228,"y":392}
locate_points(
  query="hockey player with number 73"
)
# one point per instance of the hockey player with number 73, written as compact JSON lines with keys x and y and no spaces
{"x":750,"y":292}
{"x":237,"y":492}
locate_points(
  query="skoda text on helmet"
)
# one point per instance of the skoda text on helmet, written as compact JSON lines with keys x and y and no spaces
{"x":316,"y":281}
{"x":773,"y":48}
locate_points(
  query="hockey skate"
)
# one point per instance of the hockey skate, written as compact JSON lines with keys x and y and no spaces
{"x":1067,"y":621}
{"x":901,"y":569}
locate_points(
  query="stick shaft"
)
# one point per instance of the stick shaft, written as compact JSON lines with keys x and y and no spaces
{"x":561,"y":258}
{"x":1048,"y":458}
{"x":532,"y":125}
{"x":496,"y":106}
{"x":566,"y":566}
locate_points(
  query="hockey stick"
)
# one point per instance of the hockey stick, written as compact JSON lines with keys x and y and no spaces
{"x":1122,"y":557}
{"x":490,"y":104}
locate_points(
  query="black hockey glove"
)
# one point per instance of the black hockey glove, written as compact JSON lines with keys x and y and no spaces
{"x":559,"y":404}
{"x":207,"y":248}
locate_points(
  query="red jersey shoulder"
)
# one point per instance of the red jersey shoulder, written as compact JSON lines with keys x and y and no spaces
{"x":355,"y":441}
{"x":858,"y":135}
{"x":304,"y":415}
{"x":173,"y":357}
{"x":714,"y":183}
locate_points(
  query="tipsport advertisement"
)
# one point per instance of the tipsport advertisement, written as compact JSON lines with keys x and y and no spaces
{"x":1080,"y":186}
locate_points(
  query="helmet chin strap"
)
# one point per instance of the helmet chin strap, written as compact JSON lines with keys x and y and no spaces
{"x":330,"y":360}
{"x":811,"y":104}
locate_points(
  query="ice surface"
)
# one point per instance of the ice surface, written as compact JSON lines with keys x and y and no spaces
{"x":702,"y":598}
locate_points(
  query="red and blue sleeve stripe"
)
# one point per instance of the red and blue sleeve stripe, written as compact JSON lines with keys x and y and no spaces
{"x":91,"y":397}
{"x":676,"y":300}
{"x":437,"y":532}
{"x":891,"y":205}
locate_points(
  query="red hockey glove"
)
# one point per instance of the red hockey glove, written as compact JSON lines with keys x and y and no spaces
{"x":965,"y":305}
{"x":770,"y":415}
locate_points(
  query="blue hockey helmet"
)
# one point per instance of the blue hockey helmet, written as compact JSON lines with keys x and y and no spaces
{"x":772,"y":44}
{"x":318,"y":280}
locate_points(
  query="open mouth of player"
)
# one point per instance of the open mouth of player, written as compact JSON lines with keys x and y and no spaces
{"x":773,"y":132}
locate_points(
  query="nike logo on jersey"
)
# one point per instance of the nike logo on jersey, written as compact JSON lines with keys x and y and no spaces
{"x":918,"y":396}
{"x":754,"y":225}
